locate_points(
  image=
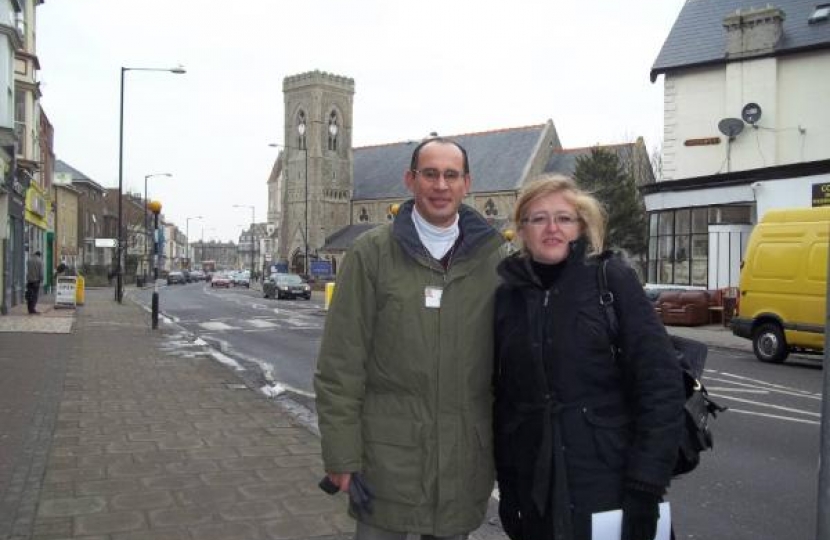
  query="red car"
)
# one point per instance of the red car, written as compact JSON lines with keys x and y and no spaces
{"x":220,"y":280}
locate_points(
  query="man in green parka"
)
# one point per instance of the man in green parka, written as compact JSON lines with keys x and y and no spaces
{"x":403,"y":379}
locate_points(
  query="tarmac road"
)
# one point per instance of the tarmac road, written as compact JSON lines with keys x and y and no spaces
{"x":279,"y":337}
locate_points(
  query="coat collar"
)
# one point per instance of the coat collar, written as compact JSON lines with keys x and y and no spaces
{"x":474,"y":231}
{"x":517,"y":270}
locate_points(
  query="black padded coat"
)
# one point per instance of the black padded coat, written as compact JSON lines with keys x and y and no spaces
{"x":573,"y":423}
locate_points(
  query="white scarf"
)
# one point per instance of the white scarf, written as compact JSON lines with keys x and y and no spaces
{"x":437,"y":240}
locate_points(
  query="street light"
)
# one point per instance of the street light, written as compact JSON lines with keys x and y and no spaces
{"x":155,"y":207}
{"x":147,"y":221}
{"x":301,"y":128}
{"x":119,"y":283}
{"x":253,"y":222}
{"x":187,"y":235}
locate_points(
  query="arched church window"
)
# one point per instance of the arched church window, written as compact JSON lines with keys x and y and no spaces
{"x":301,"y":131}
{"x":334,"y":128}
{"x":364,"y":215}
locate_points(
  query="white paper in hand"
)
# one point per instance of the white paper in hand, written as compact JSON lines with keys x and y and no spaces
{"x":608,"y":525}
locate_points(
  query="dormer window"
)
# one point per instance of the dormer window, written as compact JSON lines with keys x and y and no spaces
{"x":821,"y":14}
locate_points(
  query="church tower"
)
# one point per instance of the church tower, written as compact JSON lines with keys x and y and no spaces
{"x":317,"y":165}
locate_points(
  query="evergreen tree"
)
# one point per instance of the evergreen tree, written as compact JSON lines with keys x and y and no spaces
{"x":602,"y":174}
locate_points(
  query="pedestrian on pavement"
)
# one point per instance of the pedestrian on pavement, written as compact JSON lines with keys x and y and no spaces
{"x":403,"y":382}
{"x":578,"y":429}
{"x":34,"y":277}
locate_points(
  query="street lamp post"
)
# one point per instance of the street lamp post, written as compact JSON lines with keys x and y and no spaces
{"x":147,"y":222}
{"x":119,"y":248}
{"x":155,"y":207}
{"x":253,"y":222}
{"x":187,"y":235}
{"x":301,"y":129}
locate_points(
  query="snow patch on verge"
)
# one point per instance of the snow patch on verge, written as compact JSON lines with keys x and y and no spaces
{"x":227,"y":360}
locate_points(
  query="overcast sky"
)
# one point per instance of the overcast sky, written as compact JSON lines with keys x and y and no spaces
{"x":450,"y":66}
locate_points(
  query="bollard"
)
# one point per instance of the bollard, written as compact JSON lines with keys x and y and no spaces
{"x":329,"y":294}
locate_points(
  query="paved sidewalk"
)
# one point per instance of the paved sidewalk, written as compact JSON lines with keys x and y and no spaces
{"x":111,"y":433}
{"x":50,"y":320}
{"x":714,"y":335}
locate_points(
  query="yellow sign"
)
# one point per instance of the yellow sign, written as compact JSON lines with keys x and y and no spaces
{"x":37,"y":206}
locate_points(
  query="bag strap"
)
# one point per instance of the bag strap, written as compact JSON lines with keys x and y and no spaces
{"x":606,"y":300}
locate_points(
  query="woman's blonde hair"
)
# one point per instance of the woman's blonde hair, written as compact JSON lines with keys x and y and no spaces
{"x":591,"y":214}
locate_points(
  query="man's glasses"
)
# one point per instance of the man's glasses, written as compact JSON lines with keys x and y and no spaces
{"x":542,"y":219}
{"x":451,"y":176}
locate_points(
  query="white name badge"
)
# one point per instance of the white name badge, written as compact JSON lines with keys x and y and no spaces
{"x":432,"y":297}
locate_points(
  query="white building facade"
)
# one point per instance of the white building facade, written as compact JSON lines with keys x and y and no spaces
{"x":746,"y":129}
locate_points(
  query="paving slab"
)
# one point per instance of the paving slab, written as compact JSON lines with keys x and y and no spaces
{"x":109,"y":433}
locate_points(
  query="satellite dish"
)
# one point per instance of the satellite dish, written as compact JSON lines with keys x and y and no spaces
{"x":751,"y":113}
{"x":731,"y":127}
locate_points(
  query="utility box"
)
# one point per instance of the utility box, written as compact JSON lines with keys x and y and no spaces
{"x":66,"y":291}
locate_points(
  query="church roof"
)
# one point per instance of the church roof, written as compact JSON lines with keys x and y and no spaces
{"x":345,"y":237}
{"x":699,"y":38}
{"x":498,"y":160}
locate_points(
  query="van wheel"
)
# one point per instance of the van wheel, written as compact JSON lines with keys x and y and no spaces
{"x":769,"y":344}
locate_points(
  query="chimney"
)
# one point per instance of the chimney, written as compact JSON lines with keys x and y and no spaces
{"x":753,"y":33}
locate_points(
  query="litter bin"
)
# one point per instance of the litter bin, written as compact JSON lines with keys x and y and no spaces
{"x":79,"y":290}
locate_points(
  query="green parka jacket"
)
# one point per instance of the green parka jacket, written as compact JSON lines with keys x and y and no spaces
{"x":404,"y":391}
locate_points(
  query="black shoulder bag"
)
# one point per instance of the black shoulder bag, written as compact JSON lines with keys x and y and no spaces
{"x":691,"y":354}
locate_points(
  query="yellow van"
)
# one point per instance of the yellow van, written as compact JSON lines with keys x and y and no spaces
{"x":782,"y":300}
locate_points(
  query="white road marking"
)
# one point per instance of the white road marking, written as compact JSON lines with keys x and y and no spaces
{"x":768,"y":405}
{"x":738,"y":390}
{"x":767,"y":388}
{"x":771,"y":385}
{"x":216,"y":326}
{"x":261,"y":323}
{"x":777,"y":417}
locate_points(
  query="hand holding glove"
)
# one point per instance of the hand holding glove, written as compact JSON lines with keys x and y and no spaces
{"x":640,"y":513}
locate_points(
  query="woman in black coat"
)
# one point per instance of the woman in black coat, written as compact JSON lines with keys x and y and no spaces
{"x":579,"y":429}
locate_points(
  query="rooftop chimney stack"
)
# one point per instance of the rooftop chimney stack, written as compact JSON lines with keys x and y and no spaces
{"x":753,"y":33}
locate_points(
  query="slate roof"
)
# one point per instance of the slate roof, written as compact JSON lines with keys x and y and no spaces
{"x":77,"y":176}
{"x":497,"y":162}
{"x":698,"y":36}
{"x":63,"y":167}
{"x":345,"y":237}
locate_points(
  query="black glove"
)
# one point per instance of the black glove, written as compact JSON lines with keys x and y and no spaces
{"x":509,"y":514}
{"x":640,"y":513}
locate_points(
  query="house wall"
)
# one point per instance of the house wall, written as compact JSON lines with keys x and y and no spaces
{"x":791,"y":91}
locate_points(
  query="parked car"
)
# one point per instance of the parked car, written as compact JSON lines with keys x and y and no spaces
{"x":220,"y":280}
{"x":175,"y":277}
{"x":286,"y":286}
{"x":242,"y":279}
{"x":197,"y":275}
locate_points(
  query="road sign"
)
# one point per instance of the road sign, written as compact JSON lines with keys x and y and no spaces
{"x":321,"y":268}
{"x":105,"y":242}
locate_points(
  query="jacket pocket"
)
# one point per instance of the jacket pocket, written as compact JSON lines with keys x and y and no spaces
{"x":393,"y":459}
{"x":612,"y":437}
